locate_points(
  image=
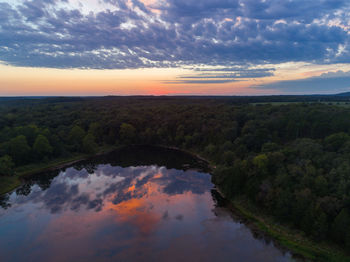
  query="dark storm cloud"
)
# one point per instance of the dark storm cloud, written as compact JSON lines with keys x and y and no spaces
{"x":330,"y":82}
{"x":186,"y":32}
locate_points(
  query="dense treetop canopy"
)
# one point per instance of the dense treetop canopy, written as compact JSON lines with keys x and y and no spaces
{"x":289,"y":159}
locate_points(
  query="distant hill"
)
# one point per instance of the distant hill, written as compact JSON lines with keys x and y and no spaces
{"x":343,"y":94}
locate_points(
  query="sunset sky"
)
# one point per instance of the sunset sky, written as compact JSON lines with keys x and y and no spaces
{"x":174,"y":47}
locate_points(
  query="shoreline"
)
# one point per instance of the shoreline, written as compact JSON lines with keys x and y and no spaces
{"x":17,"y":179}
{"x":299,"y":246}
{"x":285,"y":238}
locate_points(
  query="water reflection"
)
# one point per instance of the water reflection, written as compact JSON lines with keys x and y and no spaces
{"x":102,"y":212}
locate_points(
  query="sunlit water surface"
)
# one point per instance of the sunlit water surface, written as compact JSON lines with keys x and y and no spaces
{"x":107,"y":212}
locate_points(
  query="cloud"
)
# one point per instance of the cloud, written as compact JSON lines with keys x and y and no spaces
{"x":231,"y":74}
{"x":129,"y":34}
{"x":201,"y":81}
{"x":233,"y":69}
{"x":222,"y":75}
{"x":331,"y":82}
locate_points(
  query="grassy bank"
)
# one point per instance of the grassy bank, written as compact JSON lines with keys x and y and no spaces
{"x":291,"y":239}
{"x":286,"y":237}
{"x":9,"y":183}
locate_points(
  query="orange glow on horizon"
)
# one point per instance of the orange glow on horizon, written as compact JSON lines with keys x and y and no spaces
{"x":22,"y":81}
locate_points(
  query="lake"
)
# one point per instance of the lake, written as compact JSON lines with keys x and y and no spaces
{"x":135,"y":204}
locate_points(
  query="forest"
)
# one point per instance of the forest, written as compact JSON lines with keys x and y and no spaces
{"x":291,"y":159}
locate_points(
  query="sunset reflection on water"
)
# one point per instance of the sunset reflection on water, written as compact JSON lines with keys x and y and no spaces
{"x":142,"y":213}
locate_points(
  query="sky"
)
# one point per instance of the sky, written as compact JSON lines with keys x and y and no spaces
{"x":174,"y":47}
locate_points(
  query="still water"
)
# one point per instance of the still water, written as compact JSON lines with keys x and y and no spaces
{"x":138,"y":204}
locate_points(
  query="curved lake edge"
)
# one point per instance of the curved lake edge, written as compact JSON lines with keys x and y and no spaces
{"x":19,"y":178}
{"x":304,"y":249}
{"x":25,"y":171}
{"x":283,"y":237}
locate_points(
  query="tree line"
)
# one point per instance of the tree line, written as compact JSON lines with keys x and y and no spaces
{"x":291,"y":161}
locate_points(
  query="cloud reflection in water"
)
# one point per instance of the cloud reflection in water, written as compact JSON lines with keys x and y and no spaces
{"x":142,"y":213}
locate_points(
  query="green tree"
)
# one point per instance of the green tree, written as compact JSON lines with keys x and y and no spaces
{"x":269,"y":147}
{"x":320,"y":225}
{"x":76,"y":136}
{"x":341,"y":227}
{"x":321,"y":185}
{"x":6,"y":165}
{"x":261,"y":162}
{"x":127,"y":133}
{"x":89,"y":144}
{"x":42,"y":147}
{"x":230,"y":133}
{"x":228,"y":157}
{"x":148,"y":136}
{"x":283,"y":205}
{"x":96,"y":130}
{"x":30,"y":132}
{"x":227,"y":146}
{"x":180,"y":134}
{"x":336,"y":141}
{"x":19,"y":149}
{"x":210,"y":150}
{"x":230,"y":179}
